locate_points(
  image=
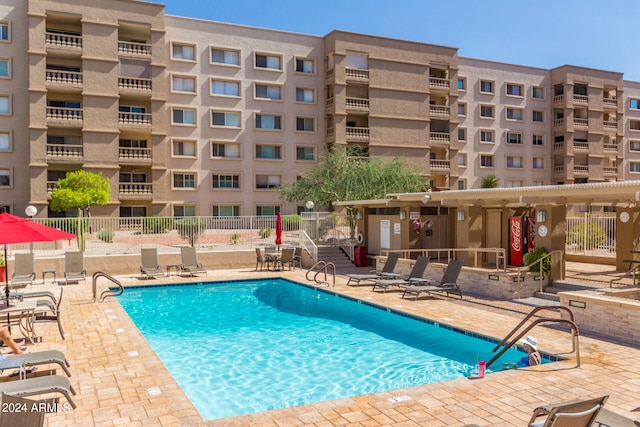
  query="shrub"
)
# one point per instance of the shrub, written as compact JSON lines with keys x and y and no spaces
{"x":595,"y":236}
{"x":264,"y":232}
{"x":291,"y":222}
{"x":191,"y":229}
{"x":106,"y":235}
{"x":155,"y":225}
{"x":534,"y":256}
{"x":235,"y":237}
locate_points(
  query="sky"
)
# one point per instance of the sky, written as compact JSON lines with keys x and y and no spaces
{"x":537,"y":33}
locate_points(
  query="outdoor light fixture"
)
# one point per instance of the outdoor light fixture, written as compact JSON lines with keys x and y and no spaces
{"x":403,"y":215}
{"x":541,"y":216}
{"x":359,"y":214}
{"x":426,"y":198}
{"x":309,"y":205}
{"x":460,"y":215}
{"x":31,"y":211}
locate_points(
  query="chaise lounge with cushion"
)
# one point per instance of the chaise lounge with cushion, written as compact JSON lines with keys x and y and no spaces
{"x":40,"y":385}
{"x":448,"y":284}
{"x":417,"y":272}
{"x":190,"y":262}
{"x":150,"y":267}
{"x":369,"y":278}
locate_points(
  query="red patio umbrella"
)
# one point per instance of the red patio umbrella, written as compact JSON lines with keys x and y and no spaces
{"x":15,"y":229}
{"x":278,"y":230}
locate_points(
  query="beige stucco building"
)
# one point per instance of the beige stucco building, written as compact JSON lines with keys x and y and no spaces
{"x":193,"y":117}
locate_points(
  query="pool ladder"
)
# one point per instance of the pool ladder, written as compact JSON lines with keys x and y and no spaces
{"x":322,"y":267}
{"x":506,"y":344}
{"x":109,"y":292}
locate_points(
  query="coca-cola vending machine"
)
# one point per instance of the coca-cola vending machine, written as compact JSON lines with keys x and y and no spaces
{"x":522,"y":233}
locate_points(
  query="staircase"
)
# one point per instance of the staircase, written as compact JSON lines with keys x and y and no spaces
{"x":335,"y":255}
{"x":550,"y":294}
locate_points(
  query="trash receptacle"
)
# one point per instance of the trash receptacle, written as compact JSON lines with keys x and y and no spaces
{"x":360,"y":255}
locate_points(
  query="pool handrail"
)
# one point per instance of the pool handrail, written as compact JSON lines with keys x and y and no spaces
{"x":109,"y":292}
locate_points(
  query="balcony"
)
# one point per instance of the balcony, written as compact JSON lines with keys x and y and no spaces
{"x":65,"y":153}
{"x":356,"y":75}
{"x":329,"y":103}
{"x":135,"y":191}
{"x":558,"y":122}
{"x":134,"y":85}
{"x":580,"y":146}
{"x":558,"y":170}
{"x":610,"y":102}
{"x":558,"y":99}
{"x":439,"y":110}
{"x":135,"y":120}
{"x":64,"y":116}
{"x":436,"y":165}
{"x":583,"y":123}
{"x":580,"y":99}
{"x":439,"y":138}
{"x":558,"y":146}
{"x":134,"y":49}
{"x":610,"y":171}
{"x":611,"y":124}
{"x":610,"y":146}
{"x":438,"y":83}
{"x":358,"y":104}
{"x":581,"y":170}
{"x":65,"y":42}
{"x":51,"y":185}
{"x":134,"y":155}
{"x":63,"y":79}
{"x":357,"y":134}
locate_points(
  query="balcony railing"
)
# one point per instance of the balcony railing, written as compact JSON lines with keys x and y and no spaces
{"x":331,"y":131}
{"x":558,"y":122}
{"x":64,"y":78}
{"x":439,"y":110}
{"x":558,"y":146}
{"x":134,"y":84}
{"x":439,"y":83}
{"x":580,"y":99}
{"x":558,"y":99}
{"x":580,"y":122}
{"x":134,"y":154}
{"x":329,"y":102}
{"x":61,"y":114}
{"x":134,"y":119}
{"x":581,"y":170}
{"x":610,"y":170}
{"x":580,"y":145}
{"x":71,"y":152}
{"x":361,"y":104}
{"x":440,"y":138}
{"x":439,"y":165}
{"x":51,"y":185}
{"x":610,"y":146}
{"x":358,"y":133}
{"x":64,"y":41}
{"x":134,"y":49}
{"x":558,"y":170}
{"x":610,"y":124}
{"x":135,"y":190}
{"x":610,"y":101}
{"x":359,"y":75}
{"x":329,"y":73}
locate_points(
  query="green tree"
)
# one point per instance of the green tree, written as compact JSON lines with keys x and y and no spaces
{"x":343,"y":174}
{"x":490,"y":181}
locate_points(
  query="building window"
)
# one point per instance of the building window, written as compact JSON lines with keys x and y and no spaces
{"x":271,"y":62}
{"x":514,"y":162}
{"x":133,"y":211}
{"x":5,"y":105}
{"x":514,"y":138}
{"x":462,"y":108}
{"x":486,"y":111}
{"x":538,"y":116}
{"x":486,"y":86}
{"x":538,"y":139}
{"x":5,"y":178}
{"x":514,"y":183}
{"x":183,"y":84}
{"x":266,"y":121}
{"x":226,"y":181}
{"x":184,"y":180}
{"x":633,"y":145}
{"x":634,"y":104}
{"x":305,"y":65}
{"x":462,"y":134}
{"x":514,"y":90}
{"x":225,"y":150}
{"x":5,"y":68}
{"x":225,"y":119}
{"x":268,"y":181}
{"x":305,"y":95}
{"x":5,"y":141}
{"x":514,"y":114}
{"x":225,"y":88}
{"x":184,"y":52}
{"x":462,"y":160}
{"x":268,"y":152}
{"x":305,"y":153}
{"x":265,"y":210}
{"x":462,"y":83}
{"x":462,"y":184}
{"x":537,"y":183}
{"x":486,"y":160}
{"x":305,"y":124}
{"x":181,"y":116}
{"x":633,"y":124}
{"x":634,"y":167}
{"x":487,"y":136}
{"x":184,"y":148}
{"x":268,"y":92}
{"x":4,"y":31}
{"x":123,"y":143}
{"x":538,"y":162}
{"x":537,"y":92}
{"x":225,"y":210}
{"x":184,"y":210}
{"x":225,"y":56}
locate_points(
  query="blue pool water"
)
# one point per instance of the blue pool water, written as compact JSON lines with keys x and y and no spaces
{"x":248,"y":346}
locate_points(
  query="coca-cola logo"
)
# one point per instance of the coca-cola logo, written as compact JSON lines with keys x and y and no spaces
{"x":516,"y":235}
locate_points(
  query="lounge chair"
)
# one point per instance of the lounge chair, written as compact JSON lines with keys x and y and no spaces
{"x":416,"y":272}
{"x":29,"y":415}
{"x":47,"y":312}
{"x":261,"y":260}
{"x":40,"y":385}
{"x":74,"y":267}
{"x":23,"y":271}
{"x":190,"y":262}
{"x":44,"y":357}
{"x":369,"y":278}
{"x":577,"y":413}
{"x":448,"y":284}
{"x":150,"y":266}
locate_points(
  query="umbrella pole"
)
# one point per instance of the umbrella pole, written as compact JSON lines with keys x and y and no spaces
{"x":6,"y":276}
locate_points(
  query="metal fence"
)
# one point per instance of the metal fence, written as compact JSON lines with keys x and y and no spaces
{"x":591,"y":234}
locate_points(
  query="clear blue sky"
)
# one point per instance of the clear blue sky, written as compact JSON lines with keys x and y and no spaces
{"x":588,"y":33}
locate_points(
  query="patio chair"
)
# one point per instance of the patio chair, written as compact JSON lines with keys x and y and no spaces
{"x":40,"y":385}
{"x":74,"y":270}
{"x":261,"y":260}
{"x":23,"y":271}
{"x":448,"y":284}
{"x":150,"y":266}
{"x":29,"y":414}
{"x":385,"y":273}
{"x":47,"y":312}
{"x":44,"y":357}
{"x":297,"y":257}
{"x":190,"y":262}
{"x":416,"y":272}
{"x":577,"y":413}
{"x":286,"y":257}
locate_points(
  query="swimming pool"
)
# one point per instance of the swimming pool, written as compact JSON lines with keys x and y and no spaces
{"x":240,"y":347}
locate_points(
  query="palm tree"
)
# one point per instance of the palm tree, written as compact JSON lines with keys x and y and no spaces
{"x":490,"y":181}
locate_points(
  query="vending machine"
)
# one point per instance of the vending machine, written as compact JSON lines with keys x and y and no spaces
{"x":522,"y":233}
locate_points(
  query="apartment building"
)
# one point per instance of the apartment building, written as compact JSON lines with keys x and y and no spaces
{"x":193,"y":117}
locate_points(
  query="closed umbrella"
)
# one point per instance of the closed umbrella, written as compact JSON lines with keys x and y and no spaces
{"x":15,"y":229}
{"x":278,"y":230}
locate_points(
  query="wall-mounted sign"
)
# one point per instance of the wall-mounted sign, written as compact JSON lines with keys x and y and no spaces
{"x":414,"y":215}
{"x":396,"y":228}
